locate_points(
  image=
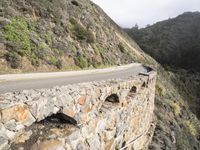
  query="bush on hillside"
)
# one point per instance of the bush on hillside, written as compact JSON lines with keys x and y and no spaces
{"x":121,"y":47}
{"x":81,"y":33}
{"x":17,"y":32}
{"x":81,"y":61}
{"x":14,"y":59}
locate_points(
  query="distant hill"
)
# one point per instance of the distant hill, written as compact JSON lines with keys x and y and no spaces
{"x":174,"y":42}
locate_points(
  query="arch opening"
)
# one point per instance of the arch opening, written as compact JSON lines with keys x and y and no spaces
{"x":75,"y":3}
{"x":58,"y":124}
{"x":133,"y":89}
{"x":113,"y":98}
{"x":59,"y":118}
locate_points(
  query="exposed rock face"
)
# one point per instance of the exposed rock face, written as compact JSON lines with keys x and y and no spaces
{"x":114,"y":114}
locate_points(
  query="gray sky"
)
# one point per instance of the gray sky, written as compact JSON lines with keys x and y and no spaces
{"x":129,"y":12}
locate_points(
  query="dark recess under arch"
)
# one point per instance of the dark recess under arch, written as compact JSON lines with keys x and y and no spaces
{"x":133,"y":89}
{"x":113,"y":98}
{"x":59,"y":118}
{"x":75,"y":3}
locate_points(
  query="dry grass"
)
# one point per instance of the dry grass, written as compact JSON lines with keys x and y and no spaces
{"x":160,"y":89}
{"x":175,"y":107}
{"x":191,"y":127}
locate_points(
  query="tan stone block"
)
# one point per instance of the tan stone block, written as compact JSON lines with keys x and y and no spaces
{"x":82,"y":100}
{"x":135,"y":123}
{"x":86,"y":108}
{"x":48,"y":145}
{"x":109,"y":144}
{"x":69,"y":112}
{"x":22,"y":137}
{"x":124,"y":103}
{"x":20,"y":113}
{"x":63,"y":132}
{"x":109,"y":134}
{"x":84,"y":117}
{"x":93,"y":124}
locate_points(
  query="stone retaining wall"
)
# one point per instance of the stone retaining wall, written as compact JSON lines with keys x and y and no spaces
{"x":114,"y":114}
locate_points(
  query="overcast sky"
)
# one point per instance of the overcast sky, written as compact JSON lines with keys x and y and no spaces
{"x":127,"y":13}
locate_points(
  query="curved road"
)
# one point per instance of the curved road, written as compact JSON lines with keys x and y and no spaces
{"x":19,"y":82}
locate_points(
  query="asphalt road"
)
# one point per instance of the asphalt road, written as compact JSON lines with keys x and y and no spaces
{"x":16,"y":83}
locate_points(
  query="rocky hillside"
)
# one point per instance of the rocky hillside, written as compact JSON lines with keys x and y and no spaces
{"x":174,"y":42}
{"x":49,"y":35}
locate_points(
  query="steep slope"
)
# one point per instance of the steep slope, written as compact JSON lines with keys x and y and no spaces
{"x":175,"y":43}
{"x":172,"y":42}
{"x":177,"y":127}
{"x":49,"y":35}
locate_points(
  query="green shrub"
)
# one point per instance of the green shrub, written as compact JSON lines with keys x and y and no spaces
{"x":59,"y":64}
{"x":90,"y":37}
{"x":82,"y":62}
{"x":43,"y":51}
{"x":32,"y":24}
{"x":176,"y":108}
{"x":73,"y":21}
{"x":121,"y":47}
{"x":18,"y":33}
{"x":48,"y":38}
{"x":49,"y":55}
{"x":52,"y":60}
{"x":160,"y":89}
{"x":191,"y":128}
{"x":34,"y":60}
{"x":99,"y":50}
{"x":43,"y":46}
{"x":81,"y":33}
{"x":57,"y":52}
{"x":14,"y":59}
{"x":74,"y":50}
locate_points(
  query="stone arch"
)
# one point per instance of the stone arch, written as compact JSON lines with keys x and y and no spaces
{"x":75,"y":3}
{"x":123,"y":144}
{"x":144,"y":84}
{"x":133,"y":89}
{"x":113,"y":98}
{"x":110,"y":102}
{"x":41,"y":130}
{"x":60,"y":118}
